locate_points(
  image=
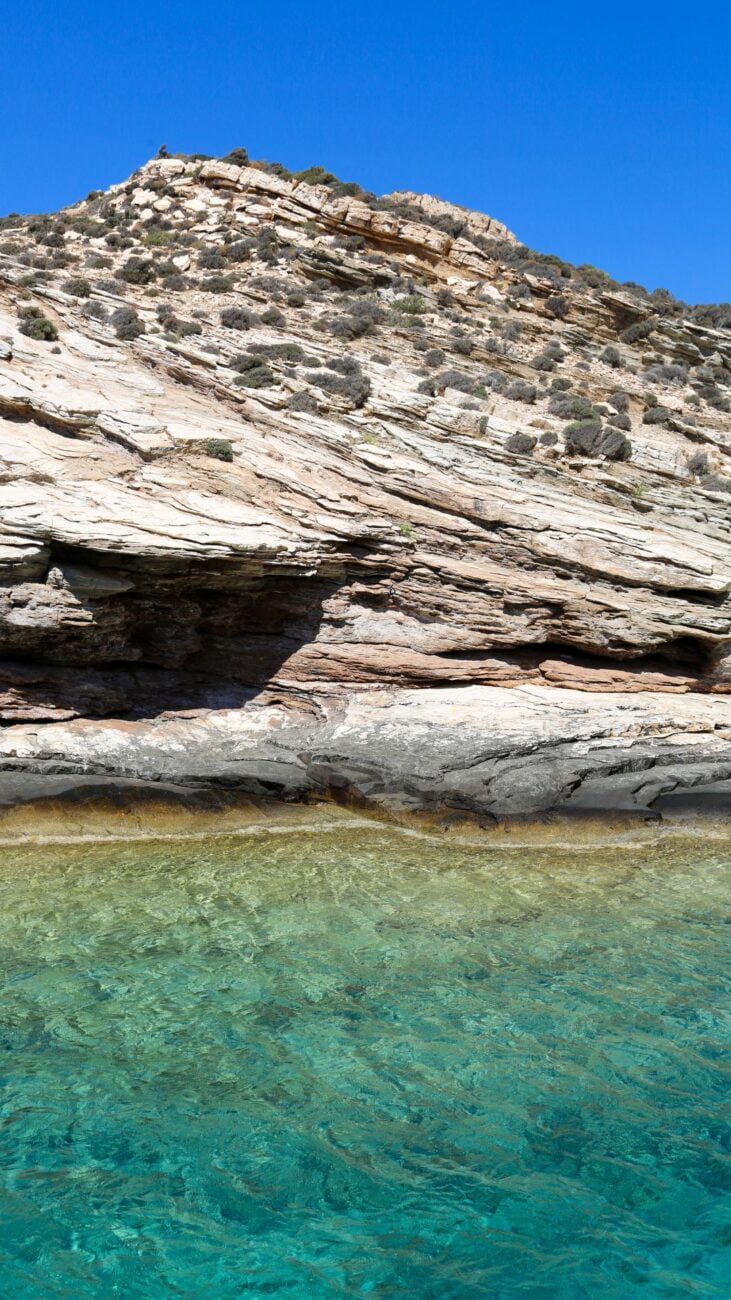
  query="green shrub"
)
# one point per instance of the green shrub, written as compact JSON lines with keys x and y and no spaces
{"x":367,"y":309}
{"x":157,"y":237}
{"x":698,"y":462}
{"x":95,"y":310}
{"x":463,"y":345}
{"x":77,"y":286}
{"x":412,"y":304}
{"x":557,"y":305}
{"x":588,"y":438}
{"x":165,"y":313}
{"x":219,"y":449}
{"x":349,"y":327}
{"x":238,"y":318}
{"x":240,"y":250}
{"x":316,"y":176}
{"x":523,"y":444}
{"x":137,"y":271}
{"x":37,"y":326}
{"x":217,"y":283}
{"x":447,"y":379}
{"x":571,"y":406}
{"x":715,"y":314}
{"x":520,"y":391}
{"x":619,"y":401}
{"x":434,"y":357}
{"x":284,"y":352}
{"x":254,"y":372}
{"x":620,"y":421}
{"x":511,"y":330}
{"x":53,"y":239}
{"x":554,"y":350}
{"x":174,"y":327}
{"x":715,"y":483}
{"x":115,"y":240}
{"x":211,"y":260}
{"x":175,"y":282}
{"x":543,"y":362}
{"x":348,"y":380}
{"x":639,"y":330}
{"x":302,"y":401}
{"x":272,"y":316}
{"x":126,"y":323}
{"x":238,"y":156}
{"x":712,"y":394}
{"x":267,"y":246}
{"x":671,"y":374}
{"x":583,"y":436}
{"x":656,"y":415}
{"x":351,"y":243}
{"x":496,"y":381}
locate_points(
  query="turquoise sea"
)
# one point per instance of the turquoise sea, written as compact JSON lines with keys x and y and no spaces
{"x":363,"y":1064}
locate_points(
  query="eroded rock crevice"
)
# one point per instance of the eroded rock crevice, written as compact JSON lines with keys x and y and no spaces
{"x":95,"y":640}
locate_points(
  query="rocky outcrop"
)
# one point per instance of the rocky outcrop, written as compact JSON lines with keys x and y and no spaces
{"x":299,"y":492}
{"x":488,"y":750}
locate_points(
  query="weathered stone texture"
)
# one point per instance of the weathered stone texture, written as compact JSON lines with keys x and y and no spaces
{"x":372,"y":590}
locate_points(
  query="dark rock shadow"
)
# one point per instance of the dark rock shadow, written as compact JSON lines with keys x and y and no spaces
{"x":161,"y":642}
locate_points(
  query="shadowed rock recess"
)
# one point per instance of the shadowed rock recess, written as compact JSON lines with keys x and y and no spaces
{"x":308,"y":491}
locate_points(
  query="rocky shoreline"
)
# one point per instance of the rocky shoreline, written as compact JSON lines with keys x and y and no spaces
{"x":495,"y":753}
{"x":306,"y":494}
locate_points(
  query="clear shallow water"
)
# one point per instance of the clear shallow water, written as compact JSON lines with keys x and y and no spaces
{"x":310,"y":1065}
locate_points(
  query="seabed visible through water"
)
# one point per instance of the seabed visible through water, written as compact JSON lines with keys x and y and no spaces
{"x":362,"y":1062}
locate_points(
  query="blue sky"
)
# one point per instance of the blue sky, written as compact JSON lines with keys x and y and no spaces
{"x":599,"y":132}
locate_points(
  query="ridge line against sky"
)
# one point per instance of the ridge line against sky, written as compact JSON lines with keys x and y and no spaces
{"x":603,"y":136}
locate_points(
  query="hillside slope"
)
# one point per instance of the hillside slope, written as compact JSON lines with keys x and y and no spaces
{"x":307,"y":490}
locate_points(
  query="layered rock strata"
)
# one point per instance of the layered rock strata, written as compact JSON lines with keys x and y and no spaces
{"x":303,"y":493}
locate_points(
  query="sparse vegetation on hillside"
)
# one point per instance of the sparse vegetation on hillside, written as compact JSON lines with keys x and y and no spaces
{"x":35,"y":325}
{"x":513,"y":344}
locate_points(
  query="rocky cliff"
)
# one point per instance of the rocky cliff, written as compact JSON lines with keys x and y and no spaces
{"x":307,"y":490}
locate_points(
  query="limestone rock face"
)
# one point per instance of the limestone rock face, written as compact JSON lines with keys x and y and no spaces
{"x":311,"y":490}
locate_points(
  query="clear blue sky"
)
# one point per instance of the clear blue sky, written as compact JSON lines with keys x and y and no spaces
{"x":601,"y":132}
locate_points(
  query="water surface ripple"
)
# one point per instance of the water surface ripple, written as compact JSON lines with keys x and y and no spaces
{"x":363,"y":1064}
